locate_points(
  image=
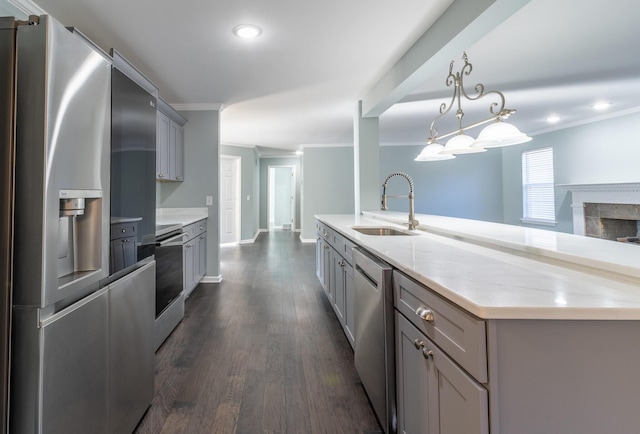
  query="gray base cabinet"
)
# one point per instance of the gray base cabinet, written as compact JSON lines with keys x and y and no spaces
{"x":194,"y":255}
{"x":335,"y":272}
{"x":435,"y":396}
{"x":510,"y":376}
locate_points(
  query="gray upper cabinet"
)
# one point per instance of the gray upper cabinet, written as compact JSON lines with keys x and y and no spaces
{"x":169,"y":143}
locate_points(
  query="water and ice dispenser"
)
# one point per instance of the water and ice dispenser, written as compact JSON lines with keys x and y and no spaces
{"x":79,"y":240}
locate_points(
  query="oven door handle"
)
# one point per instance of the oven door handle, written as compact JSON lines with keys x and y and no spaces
{"x":178,"y":237}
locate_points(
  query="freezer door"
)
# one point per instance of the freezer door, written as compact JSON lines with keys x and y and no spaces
{"x":59,"y":369}
{"x":131,"y":348}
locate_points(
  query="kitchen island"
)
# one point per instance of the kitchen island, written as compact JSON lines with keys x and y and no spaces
{"x":530,"y":331}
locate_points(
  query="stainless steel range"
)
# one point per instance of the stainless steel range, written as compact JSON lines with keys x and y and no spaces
{"x":169,"y":280}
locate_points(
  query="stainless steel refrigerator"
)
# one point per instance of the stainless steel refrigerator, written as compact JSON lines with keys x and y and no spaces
{"x":66,"y":321}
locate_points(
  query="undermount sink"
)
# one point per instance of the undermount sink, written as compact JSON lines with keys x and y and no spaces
{"x":380,"y":230}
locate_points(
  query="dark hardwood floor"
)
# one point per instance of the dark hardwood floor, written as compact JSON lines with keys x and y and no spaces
{"x":261,"y":352}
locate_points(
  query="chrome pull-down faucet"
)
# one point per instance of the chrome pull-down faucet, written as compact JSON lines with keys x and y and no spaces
{"x":413,"y":223}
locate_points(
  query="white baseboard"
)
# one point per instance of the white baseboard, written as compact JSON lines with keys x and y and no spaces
{"x":307,"y":240}
{"x":252,"y":240}
{"x":211,"y":279}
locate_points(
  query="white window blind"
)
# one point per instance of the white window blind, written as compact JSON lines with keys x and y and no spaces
{"x":537,"y":186}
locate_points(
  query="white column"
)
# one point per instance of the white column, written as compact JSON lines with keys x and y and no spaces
{"x":366,"y":161}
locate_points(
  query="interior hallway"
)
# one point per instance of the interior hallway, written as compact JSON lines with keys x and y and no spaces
{"x":261,"y":352}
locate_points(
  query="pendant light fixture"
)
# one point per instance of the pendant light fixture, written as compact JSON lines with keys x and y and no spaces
{"x":499,"y":133}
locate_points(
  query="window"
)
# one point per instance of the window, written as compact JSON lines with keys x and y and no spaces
{"x":538,"y":198}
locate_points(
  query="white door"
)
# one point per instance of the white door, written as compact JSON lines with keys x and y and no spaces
{"x":229,"y":199}
{"x":282,"y":197}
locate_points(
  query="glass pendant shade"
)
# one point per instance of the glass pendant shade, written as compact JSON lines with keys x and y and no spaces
{"x":431,"y":152}
{"x":461,"y":144}
{"x":500,"y":134}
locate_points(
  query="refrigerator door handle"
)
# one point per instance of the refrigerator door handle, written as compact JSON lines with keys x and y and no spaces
{"x":66,"y":311}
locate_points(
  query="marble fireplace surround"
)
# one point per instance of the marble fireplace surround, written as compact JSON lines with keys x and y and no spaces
{"x":619,"y":193}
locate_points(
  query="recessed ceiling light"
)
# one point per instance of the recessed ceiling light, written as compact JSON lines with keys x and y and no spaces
{"x":247,"y":31}
{"x":553,"y":119}
{"x":601,"y":105}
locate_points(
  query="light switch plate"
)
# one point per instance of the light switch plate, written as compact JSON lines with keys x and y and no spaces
{"x":209,"y":200}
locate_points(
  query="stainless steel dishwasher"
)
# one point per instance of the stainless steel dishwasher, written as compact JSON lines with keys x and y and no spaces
{"x":374,"y":335}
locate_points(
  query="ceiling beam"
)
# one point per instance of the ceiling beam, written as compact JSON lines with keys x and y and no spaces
{"x":459,"y":27}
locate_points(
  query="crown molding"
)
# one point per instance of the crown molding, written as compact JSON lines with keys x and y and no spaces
{"x":199,"y":107}
{"x":28,"y":7}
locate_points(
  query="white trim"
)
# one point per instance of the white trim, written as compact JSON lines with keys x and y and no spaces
{"x":586,"y":121}
{"x":542,"y":222}
{"x":623,"y":193}
{"x":28,"y":7}
{"x":252,"y":240}
{"x":237,"y":165}
{"x":211,"y":279}
{"x":307,"y":240}
{"x":327,"y":145}
{"x":199,"y":107}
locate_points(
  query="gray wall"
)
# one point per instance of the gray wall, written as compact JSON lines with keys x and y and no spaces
{"x":601,"y":152}
{"x":469,"y":186}
{"x":264,"y":184}
{"x":327,"y":185}
{"x":201,"y":143}
{"x":249,"y":187}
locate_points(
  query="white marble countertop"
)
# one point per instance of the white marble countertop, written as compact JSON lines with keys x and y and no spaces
{"x":183,"y":216}
{"x":499,"y":272}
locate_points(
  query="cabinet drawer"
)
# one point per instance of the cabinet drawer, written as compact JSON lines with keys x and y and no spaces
{"x":343,"y":246}
{"x":190,"y":231}
{"x":457,"y":332}
{"x":200,"y":227}
{"x":326,"y":233}
{"x":124,"y":230}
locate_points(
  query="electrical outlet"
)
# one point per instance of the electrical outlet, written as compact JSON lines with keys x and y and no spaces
{"x":209,"y":200}
{"x":248,"y":197}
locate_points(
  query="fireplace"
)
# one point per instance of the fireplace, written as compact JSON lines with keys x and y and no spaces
{"x":617,"y":222}
{"x":609,"y":211}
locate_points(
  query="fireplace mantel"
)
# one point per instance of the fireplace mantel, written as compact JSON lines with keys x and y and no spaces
{"x":622,"y":193}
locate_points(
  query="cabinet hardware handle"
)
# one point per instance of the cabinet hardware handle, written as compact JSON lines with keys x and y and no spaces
{"x":427,"y":353}
{"x":418,"y":344}
{"x":425,"y":314}
{"x":124,"y":230}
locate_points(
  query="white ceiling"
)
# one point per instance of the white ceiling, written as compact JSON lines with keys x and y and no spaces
{"x":299,"y":82}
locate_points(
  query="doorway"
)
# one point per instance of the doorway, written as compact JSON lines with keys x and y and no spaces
{"x":229,"y":199}
{"x":282,"y":197}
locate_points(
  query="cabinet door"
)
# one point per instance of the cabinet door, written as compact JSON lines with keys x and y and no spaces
{"x":337,"y":264}
{"x":123,"y":253}
{"x":189,"y":275}
{"x":349,"y":325}
{"x":412,"y":380}
{"x":320,"y":260}
{"x":326,"y":262}
{"x":435,"y":396}
{"x":179,"y":153}
{"x":162,"y":146}
{"x":173,"y":130}
{"x":202,"y":256}
{"x":462,"y":403}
